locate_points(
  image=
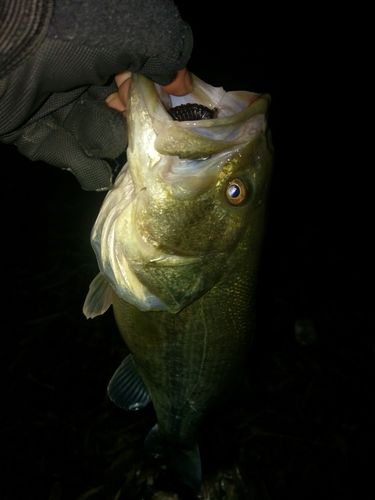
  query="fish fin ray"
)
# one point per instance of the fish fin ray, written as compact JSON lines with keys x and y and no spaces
{"x":183,"y":462}
{"x":99,"y":297}
{"x":126,"y":388}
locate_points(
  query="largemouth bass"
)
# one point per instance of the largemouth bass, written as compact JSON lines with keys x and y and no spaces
{"x":177,"y":242}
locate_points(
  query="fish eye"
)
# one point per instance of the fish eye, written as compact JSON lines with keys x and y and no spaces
{"x":236,"y":191}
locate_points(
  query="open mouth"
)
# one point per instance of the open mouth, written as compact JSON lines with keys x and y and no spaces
{"x":192,"y":111}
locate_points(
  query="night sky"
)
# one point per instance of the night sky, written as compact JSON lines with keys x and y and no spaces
{"x":302,"y":425}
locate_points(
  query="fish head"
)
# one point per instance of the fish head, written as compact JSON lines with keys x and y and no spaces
{"x":190,"y":192}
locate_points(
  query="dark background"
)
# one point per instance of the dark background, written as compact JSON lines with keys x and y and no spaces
{"x":302,"y":427}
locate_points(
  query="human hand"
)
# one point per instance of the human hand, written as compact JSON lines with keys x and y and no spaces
{"x":69,"y":114}
{"x":180,"y":85}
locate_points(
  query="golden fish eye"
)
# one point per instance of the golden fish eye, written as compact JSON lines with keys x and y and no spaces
{"x":236,"y":191}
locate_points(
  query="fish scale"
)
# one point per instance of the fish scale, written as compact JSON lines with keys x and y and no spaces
{"x":178,"y":241}
{"x":195,"y":352}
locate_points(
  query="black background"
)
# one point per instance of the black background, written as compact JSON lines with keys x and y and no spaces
{"x":303,"y":425}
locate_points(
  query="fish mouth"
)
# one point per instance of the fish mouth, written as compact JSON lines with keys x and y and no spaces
{"x":204,"y":102}
{"x":203,"y":123}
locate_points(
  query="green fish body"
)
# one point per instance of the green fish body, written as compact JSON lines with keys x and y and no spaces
{"x":178,"y":241}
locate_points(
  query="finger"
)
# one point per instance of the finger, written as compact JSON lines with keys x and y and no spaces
{"x":123,"y":91}
{"x":114,"y":101}
{"x":120,"y":78}
{"x":118,"y":100}
{"x":181,"y":85}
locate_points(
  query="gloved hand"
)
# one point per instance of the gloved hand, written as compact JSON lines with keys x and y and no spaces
{"x":84,"y":136}
{"x":52,"y":98}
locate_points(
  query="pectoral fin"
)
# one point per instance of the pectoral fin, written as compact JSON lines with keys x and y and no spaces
{"x":126,"y":388}
{"x":99,"y":297}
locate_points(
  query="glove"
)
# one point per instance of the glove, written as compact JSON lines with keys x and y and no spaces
{"x":84,"y":136}
{"x":52,"y":104}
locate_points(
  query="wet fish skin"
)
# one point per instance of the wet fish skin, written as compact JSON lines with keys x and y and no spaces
{"x":189,"y":359}
{"x":185,"y":302}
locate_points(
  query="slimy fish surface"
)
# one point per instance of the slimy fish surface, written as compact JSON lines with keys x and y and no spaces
{"x":177,"y":241}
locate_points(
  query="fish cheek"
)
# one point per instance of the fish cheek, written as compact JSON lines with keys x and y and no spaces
{"x":185,"y":227}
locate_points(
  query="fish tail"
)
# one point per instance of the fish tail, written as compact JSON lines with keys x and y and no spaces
{"x":182,"y":461}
